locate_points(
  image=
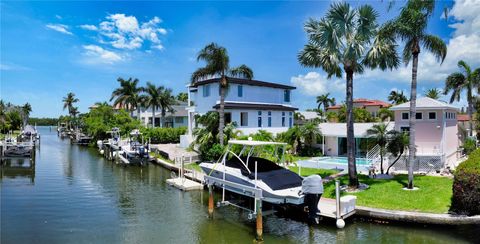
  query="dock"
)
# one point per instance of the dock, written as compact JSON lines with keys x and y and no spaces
{"x":185,"y":184}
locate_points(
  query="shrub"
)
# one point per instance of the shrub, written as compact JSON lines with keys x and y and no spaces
{"x":212,"y":153}
{"x":164,"y":135}
{"x":466,"y":186}
{"x":310,"y":152}
{"x":469,"y":145}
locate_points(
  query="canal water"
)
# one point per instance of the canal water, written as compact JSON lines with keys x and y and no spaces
{"x":72,"y":195}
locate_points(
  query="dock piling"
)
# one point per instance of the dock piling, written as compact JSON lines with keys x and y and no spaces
{"x":340,"y":222}
{"x":210,"y":201}
{"x":259,"y":232}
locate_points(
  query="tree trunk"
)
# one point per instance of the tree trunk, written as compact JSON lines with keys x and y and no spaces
{"x":394,"y":162}
{"x":413,"y":111}
{"x":162,"y":119}
{"x":138,"y":114}
{"x":221,"y":120}
{"x":153,"y":117}
{"x":470,"y":111}
{"x":352,"y":167}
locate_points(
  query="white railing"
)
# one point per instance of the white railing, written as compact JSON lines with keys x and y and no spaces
{"x":373,"y":155}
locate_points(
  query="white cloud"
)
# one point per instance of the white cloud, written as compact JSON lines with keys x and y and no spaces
{"x":96,"y":54}
{"x":89,"y":27}
{"x":60,"y":28}
{"x":314,"y":84}
{"x":58,"y":16}
{"x":126,"y":32}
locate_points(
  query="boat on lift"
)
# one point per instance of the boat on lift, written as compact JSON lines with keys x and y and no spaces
{"x":251,"y":167}
{"x":134,"y":152}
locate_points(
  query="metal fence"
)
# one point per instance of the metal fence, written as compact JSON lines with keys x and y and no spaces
{"x":422,"y":163}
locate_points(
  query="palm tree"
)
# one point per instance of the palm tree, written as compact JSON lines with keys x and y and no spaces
{"x":397,"y":97}
{"x":218,"y":64}
{"x":411,"y":26}
{"x":128,"y":95}
{"x":379,"y":133}
{"x":182,"y":97}
{"x":325,"y":101}
{"x":466,"y":80}
{"x":347,"y":40}
{"x":153,"y":98}
{"x":310,"y":132}
{"x":397,"y":144}
{"x":385,"y":114}
{"x":166,"y":101}
{"x":26,"y":109}
{"x":69,"y":101}
{"x":433,"y":93}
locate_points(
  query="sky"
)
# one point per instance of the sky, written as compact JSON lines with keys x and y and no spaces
{"x":48,"y":49}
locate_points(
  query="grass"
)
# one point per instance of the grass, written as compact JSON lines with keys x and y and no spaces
{"x":433,"y":196}
{"x":194,"y":166}
{"x":311,"y":171}
{"x":298,"y":158}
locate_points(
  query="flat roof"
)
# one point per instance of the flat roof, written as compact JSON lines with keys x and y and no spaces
{"x":244,"y":82}
{"x":255,"y":143}
{"x":340,"y":129}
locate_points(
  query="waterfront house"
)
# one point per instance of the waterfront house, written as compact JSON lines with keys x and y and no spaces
{"x":372,"y":106}
{"x":464,"y":125}
{"x":173,"y":119}
{"x":436,"y":131}
{"x":251,"y":104}
{"x":335,"y":138}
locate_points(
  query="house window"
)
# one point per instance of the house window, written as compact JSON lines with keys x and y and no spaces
{"x":206,"y":90}
{"x":179,"y":120}
{"x":228,"y":118}
{"x":283,"y":119}
{"x":286,"y":96}
{"x":405,"y":116}
{"x":259,"y":118}
{"x":418,"y":116}
{"x":432,"y":115}
{"x":243,"y":119}
{"x":269,"y":119}
{"x":240,"y":91}
{"x":290,"y":122}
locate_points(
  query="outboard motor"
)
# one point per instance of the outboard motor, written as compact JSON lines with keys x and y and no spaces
{"x":312,"y":188}
{"x":141,"y":151}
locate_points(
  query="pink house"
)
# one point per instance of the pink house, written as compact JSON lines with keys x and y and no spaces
{"x":436,"y":129}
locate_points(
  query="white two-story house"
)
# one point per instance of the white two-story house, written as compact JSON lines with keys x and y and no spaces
{"x":253,"y":105}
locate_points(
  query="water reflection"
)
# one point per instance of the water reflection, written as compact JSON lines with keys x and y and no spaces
{"x":19,"y":169}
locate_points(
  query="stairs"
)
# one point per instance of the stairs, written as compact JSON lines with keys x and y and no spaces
{"x":373,"y":156}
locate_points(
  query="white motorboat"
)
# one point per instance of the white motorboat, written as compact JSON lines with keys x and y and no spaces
{"x":134,"y":152}
{"x":251,"y":168}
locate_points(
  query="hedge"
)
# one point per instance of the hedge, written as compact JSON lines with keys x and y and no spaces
{"x":466,"y":186}
{"x":164,"y":135}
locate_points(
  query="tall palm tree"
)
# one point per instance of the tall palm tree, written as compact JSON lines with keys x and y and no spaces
{"x":26,"y":109}
{"x":166,"y":101}
{"x":379,"y":133}
{"x":465,"y":80}
{"x":397,"y":144}
{"x":347,"y":40}
{"x":182,"y":97}
{"x":433,"y":93}
{"x":218,"y":65}
{"x":153,"y":98}
{"x":128,"y":95}
{"x":411,"y":27}
{"x":69,"y":101}
{"x":397,"y":97}
{"x":325,"y":100}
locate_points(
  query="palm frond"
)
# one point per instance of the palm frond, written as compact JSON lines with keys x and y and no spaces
{"x":242,"y":71}
{"x":463,"y":65}
{"x":436,"y":46}
{"x":382,"y":54}
{"x":455,"y":82}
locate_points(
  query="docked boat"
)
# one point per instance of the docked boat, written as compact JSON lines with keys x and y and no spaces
{"x":80,"y":138}
{"x":29,"y":133}
{"x":251,"y":168}
{"x":134,"y":152}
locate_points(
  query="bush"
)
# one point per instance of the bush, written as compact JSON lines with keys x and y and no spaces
{"x":164,"y":135}
{"x":211,"y":153}
{"x":466,"y":186}
{"x":469,"y":146}
{"x":310,"y":152}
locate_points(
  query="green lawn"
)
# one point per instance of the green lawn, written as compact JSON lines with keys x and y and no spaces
{"x":310,"y":171}
{"x":433,"y":196}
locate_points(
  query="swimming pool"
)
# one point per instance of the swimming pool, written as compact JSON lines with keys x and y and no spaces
{"x":340,"y":163}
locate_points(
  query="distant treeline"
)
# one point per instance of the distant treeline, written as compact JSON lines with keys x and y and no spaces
{"x":43,"y":121}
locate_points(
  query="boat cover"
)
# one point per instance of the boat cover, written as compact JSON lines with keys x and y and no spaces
{"x":312,"y":185}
